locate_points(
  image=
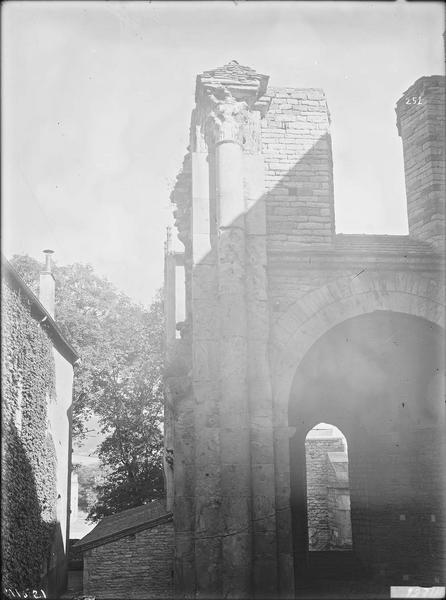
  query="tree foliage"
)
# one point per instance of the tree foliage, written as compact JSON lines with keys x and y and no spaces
{"x":119,"y":378}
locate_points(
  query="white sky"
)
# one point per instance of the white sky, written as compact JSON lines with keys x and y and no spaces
{"x":97,"y":100}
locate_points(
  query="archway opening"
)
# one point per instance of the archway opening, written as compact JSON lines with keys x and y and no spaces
{"x":328,"y":489}
{"x":380,"y":378}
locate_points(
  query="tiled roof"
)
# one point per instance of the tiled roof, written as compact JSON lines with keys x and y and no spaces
{"x":125,"y":523}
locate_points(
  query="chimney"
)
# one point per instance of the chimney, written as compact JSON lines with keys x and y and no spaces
{"x":47,"y":284}
{"x":421,"y":123}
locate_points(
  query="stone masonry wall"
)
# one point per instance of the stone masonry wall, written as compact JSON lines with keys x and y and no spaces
{"x":421,"y":125}
{"x":296,"y":147}
{"x":317,"y":490}
{"x":338,"y":501}
{"x":138,"y":566}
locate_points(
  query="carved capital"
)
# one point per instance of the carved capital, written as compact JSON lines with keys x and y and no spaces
{"x":227,"y":116}
{"x":228,"y":107}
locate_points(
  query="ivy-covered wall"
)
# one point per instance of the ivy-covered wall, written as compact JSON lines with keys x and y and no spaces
{"x":29,"y":493}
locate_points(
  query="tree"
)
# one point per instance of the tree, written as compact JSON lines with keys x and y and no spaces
{"x":131,"y":412}
{"x":119,"y":379}
{"x":89,"y":477}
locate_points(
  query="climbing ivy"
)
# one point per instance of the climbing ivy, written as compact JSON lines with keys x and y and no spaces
{"x":28,"y":456}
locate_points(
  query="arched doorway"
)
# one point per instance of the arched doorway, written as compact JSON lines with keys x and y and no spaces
{"x":379,"y":378}
{"x":328,"y":490}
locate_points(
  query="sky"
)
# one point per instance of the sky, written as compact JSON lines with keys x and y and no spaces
{"x":96,"y":103}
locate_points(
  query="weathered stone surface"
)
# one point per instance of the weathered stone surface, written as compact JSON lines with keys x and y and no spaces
{"x":274,"y":281}
{"x":421,"y":125}
{"x":137,"y":566}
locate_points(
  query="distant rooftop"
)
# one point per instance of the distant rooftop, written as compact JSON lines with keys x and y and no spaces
{"x":124,"y":523}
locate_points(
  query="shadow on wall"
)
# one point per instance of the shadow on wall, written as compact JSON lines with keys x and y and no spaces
{"x":31,"y":546}
{"x":293,"y":209}
{"x":234,"y":284}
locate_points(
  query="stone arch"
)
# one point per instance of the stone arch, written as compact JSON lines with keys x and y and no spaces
{"x":370,"y":375}
{"x":308,"y":319}
{"x":318,"y":311}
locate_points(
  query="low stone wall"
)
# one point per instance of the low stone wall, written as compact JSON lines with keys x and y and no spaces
{"x":137,"y":566}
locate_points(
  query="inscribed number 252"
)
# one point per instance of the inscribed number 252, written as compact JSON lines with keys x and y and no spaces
{"x":414,"y":100}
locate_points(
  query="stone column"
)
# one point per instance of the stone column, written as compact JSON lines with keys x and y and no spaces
{"x":180,"y":405}
{"x":169,"y":293}
{"x":205,"y":385}
{"x":169,"y":316}
{"x":264,"y":575}
{"x":234,"y":429}
{"x":223,"y":494}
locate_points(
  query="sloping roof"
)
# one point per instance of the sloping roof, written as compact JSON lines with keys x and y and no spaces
{"x":125,"y":523}
{"x":39,"y":312}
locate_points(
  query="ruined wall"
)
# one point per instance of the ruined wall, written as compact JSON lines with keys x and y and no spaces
{"x":266,"y":275}
{"x":421,"y":125}
{"x":296,"y":146}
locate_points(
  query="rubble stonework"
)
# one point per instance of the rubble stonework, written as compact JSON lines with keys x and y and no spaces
{"x":266,"y":278}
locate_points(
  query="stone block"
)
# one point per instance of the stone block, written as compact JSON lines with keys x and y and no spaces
{"x":208,"y":561}
{"x":205,"y":360}
{"x":236,"y":479}
{"x":207,"y":448}
{"x":234,"y":444}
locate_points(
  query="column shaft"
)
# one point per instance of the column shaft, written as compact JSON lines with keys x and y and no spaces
{"x":234,"y":426}
{"x":207,"y":521}
{"x":259,"y":385}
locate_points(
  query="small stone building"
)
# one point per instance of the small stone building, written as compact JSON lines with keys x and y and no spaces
{"x":130,"y":555}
